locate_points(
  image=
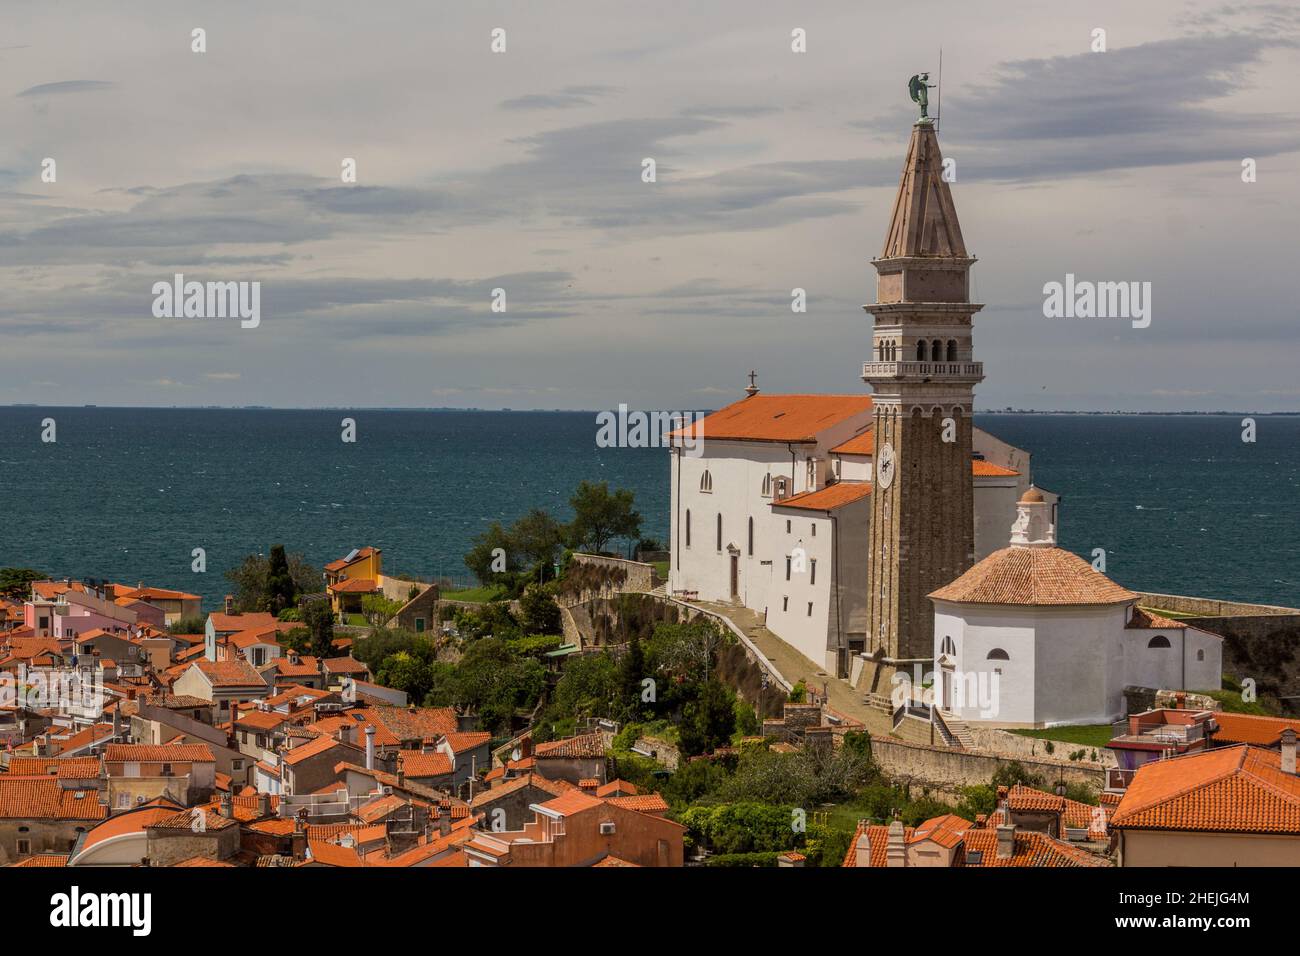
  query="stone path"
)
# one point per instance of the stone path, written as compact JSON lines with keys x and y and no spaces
{"x":794,"y":667}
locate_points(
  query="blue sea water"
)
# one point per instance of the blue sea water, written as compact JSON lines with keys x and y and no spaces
{"x":1180,"y":503}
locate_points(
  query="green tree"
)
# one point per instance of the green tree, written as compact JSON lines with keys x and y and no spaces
{"x":538,"y":612}
{"x":491,"y":556}
{"x":319,"y":618}
{"x":631,"y":672}
{"x":17,"y":582}
{"x":251,"y":580}
{"x":281,"y":591}
{"x":407,"y":673}
{"x":599,"y":516}
{"x":537,"y":538}
{"x":709,"y":720}
{"x":379,"y":610}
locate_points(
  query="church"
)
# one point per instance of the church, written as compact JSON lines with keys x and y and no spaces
{"x":844,"y":520}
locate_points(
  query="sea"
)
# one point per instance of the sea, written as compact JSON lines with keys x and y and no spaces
{"x":1179,"y":503}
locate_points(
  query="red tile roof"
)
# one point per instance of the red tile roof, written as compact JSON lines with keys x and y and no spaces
{"x":779,"y":418}
{"x":618,"y":788}
{"x":415,"y":763}
{"x":355,"y":586}
{"x":158,"y":753}
{"x":467,"y":740}
{"x":1238,"y":789}
{"x":44,"y":859}
{"x":571,"y":802}
{"x":586,"y":746}
{"x":986,"y":469}
{"x":1252,"y":729}
{"x":232,"y":623}
{"x":301,"y":752}
{"x":238,"y":673}
{"x":1144,"y":619}
{"x":829,"y":498}
{"x":80,"y":768}
{"x":643,"y":803}
{"x":42,"y":798}
{"x":1033,"y":576}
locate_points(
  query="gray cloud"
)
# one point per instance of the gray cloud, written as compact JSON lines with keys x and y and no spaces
{"x":66,"y":86}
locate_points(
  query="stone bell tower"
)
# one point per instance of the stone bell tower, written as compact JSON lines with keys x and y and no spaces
{"x":923,"y":373}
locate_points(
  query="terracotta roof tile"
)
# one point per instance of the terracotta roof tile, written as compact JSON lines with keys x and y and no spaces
{"x":584,"y":746}
{"x":780,"y":418}
{"x":158,"y":753}
{"x":829,"y":498}
{"x":1252,"y":729}
{"x":1238,"y":789}
{"x":1033,"y":576}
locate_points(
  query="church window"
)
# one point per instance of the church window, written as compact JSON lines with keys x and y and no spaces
{"x":812,"y":570}
{"x":920,"y":351}
{"x":706,"y":481}
{"x":782,"y":486}
{"x":998,"y":654}
{"x":1158,"y":641}
{"x":787,"y":525}
{"x":952,"y":350}
{"x":810,"y":608}
{"x":1200,"y":655}
{"x":767,"y":486}
{"x":785,"y":603}
{"x":949,"y":646}
{"x":751,"y":537}
{"x":936,"y":351}
{"x":814,"y":529}
{"x":787,"y":567}
{"x":719,"y":530}
{"x":688,"y":527}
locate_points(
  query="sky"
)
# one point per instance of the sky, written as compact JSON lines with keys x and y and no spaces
{"x":522,"y":170}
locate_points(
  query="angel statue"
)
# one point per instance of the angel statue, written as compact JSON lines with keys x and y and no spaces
{"x":919,"y":88}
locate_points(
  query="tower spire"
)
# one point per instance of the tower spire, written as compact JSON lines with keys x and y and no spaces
{"x":924,"y":220}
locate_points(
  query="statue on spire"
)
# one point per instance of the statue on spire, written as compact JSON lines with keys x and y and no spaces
{"x":919,"y":89}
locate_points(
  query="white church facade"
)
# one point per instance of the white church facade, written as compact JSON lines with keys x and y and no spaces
{"x":1034,"y":636}
{"x":771,"y":509}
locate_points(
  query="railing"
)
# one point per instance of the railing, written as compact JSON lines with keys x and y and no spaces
{"x":899,"y":369}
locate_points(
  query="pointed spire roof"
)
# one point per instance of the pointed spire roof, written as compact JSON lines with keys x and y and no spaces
{"x":924,"y":221}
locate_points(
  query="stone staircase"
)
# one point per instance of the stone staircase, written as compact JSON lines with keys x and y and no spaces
{"x":958,"y":731}
{"x":660,"y":590}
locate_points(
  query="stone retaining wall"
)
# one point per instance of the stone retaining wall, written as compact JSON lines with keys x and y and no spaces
{"x":943,"y":770}
{"x":640,"y":576}
{"x":1018,"y":747}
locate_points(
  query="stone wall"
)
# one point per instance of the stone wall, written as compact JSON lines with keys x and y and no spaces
{"x":1210,"y":607}
{"x":945,"y":771}
{"x":640,"y":576}
{"x":1018,"y":747}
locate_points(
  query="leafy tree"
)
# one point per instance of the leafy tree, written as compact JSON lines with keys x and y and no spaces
{"x":631,"y":672}
{"x":281,"y":591}
{"x":747,"y":723}
{"x":319,"y":618}
{"x":17,"y":582}
{"x":379,"y":609}
{"x":537,"y":538}
{"x":588,"y":687}
{"x":538,"y":612}
{"x":599,"y":515}
{"x":188,"y":625}
{"x":709,"y":720}
{"x":482,"y":558}
{"x":407,"y":673}
{"x":297,"y":640}
{"x":251,"y":580}
{"x":494,"y":683}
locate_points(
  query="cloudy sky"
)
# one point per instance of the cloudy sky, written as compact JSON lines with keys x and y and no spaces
{"x":522,"y":170}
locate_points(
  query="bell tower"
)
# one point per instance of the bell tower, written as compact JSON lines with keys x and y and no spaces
{"x":923,"y":374}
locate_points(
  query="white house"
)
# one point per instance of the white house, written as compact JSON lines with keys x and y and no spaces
{"x":771,"y":509}
{"x":1034,"y":636}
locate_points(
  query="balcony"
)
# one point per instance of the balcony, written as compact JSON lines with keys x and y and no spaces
{"x":953,"y":370}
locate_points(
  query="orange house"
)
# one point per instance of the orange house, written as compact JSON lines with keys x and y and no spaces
{"x":352,"y":577}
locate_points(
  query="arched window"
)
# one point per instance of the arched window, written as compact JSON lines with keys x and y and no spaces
{"x":719,"y":530}
{"x":952,"y":350}
{"x":767,"y":486}
{"x":706,"y":481}
{"x":936,"y":351}
{"x":782,"y":487}
{"x":949,"y":647}
{"x":688,"y":527}
{"x":1200,"y":655}
{"x":920,"y":351}
{"x":1158,"y":641}
{"x":751,"y":537}
{"x":998,"y":654}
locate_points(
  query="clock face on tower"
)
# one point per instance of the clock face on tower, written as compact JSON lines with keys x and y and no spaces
{"x":885,"y":466}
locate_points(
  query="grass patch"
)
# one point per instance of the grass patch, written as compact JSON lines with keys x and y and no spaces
{"x":1230,"y":701}
{"x":474,"y":595}
{"x":355,"y":620}
{"x":1085,"y":735}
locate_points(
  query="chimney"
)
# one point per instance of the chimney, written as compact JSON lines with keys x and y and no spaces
{"x":299,"y":839}
{"x":1006,"y":840}
{"x":401,"y":776}
{"x":896,"y":849}
{"x":345,"y":733}
{"x":864,"y":845}
{"x":1288,"y":751}
{"x":370,"y":746}
{"x":230,"y":604}
{"x":226,"y":806}
{"x":444,"y":822}
{"x":263,"y":804}
{"x":117,"y":722}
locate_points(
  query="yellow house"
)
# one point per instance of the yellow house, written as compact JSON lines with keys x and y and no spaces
{"x":352,"y":577}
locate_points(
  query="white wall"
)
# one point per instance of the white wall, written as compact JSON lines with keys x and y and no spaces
{"x":1174,"y":667}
